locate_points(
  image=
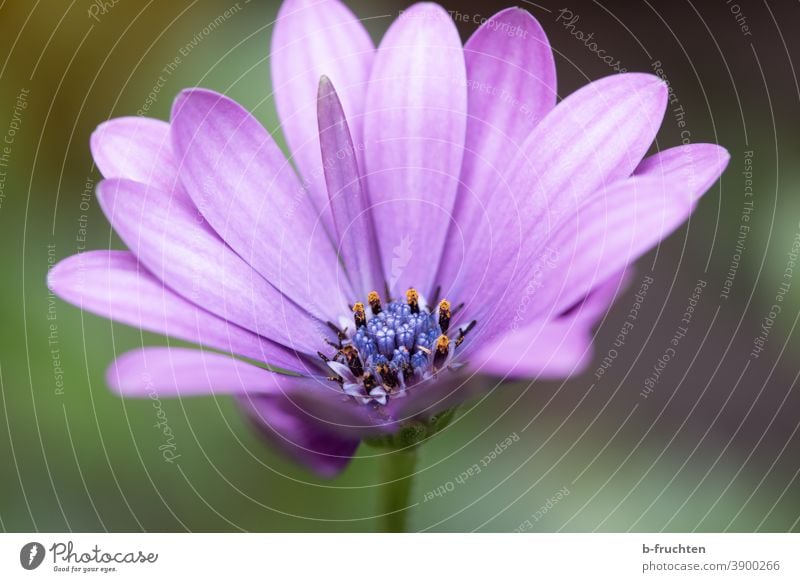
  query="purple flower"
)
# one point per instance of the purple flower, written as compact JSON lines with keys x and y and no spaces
{"x":447,"y":219}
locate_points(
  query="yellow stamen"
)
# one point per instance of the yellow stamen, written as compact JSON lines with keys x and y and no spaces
{"x":412,"y":298}
{"x":444,"y":315}
{"x":442,"y":351}
{"x":359,"y":315}
{"x":374,"y":301}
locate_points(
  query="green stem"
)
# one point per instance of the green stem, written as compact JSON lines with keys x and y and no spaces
{"x":397,"y":475}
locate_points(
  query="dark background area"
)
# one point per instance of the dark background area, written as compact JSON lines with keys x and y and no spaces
{"x":714,"y":447}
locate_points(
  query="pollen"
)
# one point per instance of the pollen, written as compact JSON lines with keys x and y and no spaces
{"x":359,"y":315}
{"x":374,"y":301}
{"x":442,"y":352}
{"x":412,"y":298}
{"x":444,"y":315}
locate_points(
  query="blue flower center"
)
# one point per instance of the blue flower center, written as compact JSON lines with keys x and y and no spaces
{"x":393,"y":347}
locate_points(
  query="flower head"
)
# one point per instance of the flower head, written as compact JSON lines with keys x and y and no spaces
{"x":447,"y":218}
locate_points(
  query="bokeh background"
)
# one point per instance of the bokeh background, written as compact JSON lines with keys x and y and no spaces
{"x":715,"y":447}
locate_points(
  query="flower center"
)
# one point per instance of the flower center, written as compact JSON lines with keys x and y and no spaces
{"x":393,"y":347}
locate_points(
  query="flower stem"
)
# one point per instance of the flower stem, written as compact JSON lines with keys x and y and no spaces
{"x":397,"y":475}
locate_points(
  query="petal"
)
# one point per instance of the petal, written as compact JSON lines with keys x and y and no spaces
{"x":168,"y":372}
{"x":690,"y":170}
{"x":538,"y":345}
{"x":552,"y":349}
{"x":167,"y":234}
{"x":352,"y":215}
{"x":249,"y":194}
{"x":139,"y":149}
{"x":681,"y":174}
{"x":698,"y":165}
{"x":414,"y":135}
{"x":598,"y":301}
{"x":136,"y":148}
{"x":607,"y":234}
{"x":511,"y":84}
{"x":543,"y":350}
{"x":113,"y":284}
{"x":446,"y":392}
{"x":183,"y":372}
{"x":300,"y":438}
{"x":173,"y":372}
{"x":314,"y":38}
{"x":593,"y":138}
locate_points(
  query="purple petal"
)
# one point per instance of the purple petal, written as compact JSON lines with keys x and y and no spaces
{"x":448,"y":391}
{"x":249,"y":194}
{"x":414,"y":133}
{"x":543,"y":350}
{"x":313,"y":38}
{"x":113,"y":284}
{"x":697,"y":165}
{"x":552,"y":349}
{"x":266,"y":396}
{"x":511,"y":86}
{"x":598,"y":301}
{"x":352,"y":216}
{"x":173,"y":372}
{"x":167,"y":234}
{"x":692,"y":169}
{"x":135,"y":148}
{"x":596,"y":136}
{"x":186,"y":372}
{"x":140,"y":149}
{"x":608,"y":233}
{"x":299,"y":438}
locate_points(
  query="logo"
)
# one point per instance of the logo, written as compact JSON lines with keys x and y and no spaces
{"x":401,"y":256}
{"x":31,"y":555}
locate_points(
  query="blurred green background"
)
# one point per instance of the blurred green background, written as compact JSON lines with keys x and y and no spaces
{"x":714,"y":448}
